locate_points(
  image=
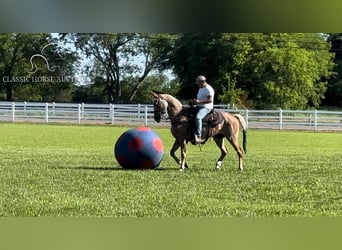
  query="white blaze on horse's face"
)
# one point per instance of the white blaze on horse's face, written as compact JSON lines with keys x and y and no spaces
{"x":163,"y":108}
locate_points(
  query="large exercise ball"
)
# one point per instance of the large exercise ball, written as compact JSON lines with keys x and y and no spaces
{"x":139,"y":148}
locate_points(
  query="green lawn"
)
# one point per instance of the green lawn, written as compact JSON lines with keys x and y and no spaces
{"x":60,"y":170}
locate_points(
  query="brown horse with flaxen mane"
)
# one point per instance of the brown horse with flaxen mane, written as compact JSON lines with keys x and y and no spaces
{"x":217,"y":124}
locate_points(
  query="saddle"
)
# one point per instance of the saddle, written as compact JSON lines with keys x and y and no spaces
{"x":213,"y":118}
{"x":208,"y":123}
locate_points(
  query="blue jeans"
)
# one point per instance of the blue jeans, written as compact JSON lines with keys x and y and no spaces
{"x":202,"y":112}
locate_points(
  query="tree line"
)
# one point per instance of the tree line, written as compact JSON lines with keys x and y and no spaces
{"x":253,"y":70}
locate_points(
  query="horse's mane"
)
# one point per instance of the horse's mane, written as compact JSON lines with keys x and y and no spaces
{"x":158,"y":92}
{"x":173,"y":101}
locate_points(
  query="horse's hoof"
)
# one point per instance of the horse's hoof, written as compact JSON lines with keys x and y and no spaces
{"x":218,"y":165}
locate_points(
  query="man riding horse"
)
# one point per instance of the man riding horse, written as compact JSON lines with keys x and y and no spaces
{"x":204,"y":103}
{"x":219,"y":124}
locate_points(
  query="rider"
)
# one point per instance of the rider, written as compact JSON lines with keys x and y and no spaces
{"x":205,"y":104}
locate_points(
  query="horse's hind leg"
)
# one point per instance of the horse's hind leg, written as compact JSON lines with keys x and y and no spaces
{"x":238,"y":149}
{"x":220,"y":143}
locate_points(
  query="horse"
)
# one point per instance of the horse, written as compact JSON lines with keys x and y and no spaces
{"x":225,"y":125}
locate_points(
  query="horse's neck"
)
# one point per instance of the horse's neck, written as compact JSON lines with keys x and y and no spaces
{"x":175,"y":106}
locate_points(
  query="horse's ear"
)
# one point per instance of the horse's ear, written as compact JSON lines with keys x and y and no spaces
{"x":154,"y":94}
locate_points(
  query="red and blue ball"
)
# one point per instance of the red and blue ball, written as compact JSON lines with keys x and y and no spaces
{"x":139,"y":148}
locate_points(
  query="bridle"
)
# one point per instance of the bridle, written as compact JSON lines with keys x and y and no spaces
{"x":159,"y":112}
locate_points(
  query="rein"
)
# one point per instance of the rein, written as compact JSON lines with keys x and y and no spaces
{"x":181,"y":113}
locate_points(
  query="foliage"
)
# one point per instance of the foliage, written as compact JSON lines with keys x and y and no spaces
{"x":155,"y":50}
{"x":333,"y":95}
{"x":91,"y":93}
{"x":196,"y":54}
{"x":274,"y":70}
{"x":254,"y":70}
{"x":231,"y":94}
{"x":35,"y":66}
{"x":96,"y":92}
{"x":154,"y":82}
{"x":292,"y":72}
{"x":105,"y":50}
{"x":53,"y":170}
{"x":114,"y":56}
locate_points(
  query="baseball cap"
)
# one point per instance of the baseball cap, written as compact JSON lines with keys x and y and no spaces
{"x":200,"y":79}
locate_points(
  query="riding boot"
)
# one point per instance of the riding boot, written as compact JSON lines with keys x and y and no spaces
{"x":198,"y":139}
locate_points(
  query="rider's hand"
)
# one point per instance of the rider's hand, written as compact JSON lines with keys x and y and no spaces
{"x":194,"y":101}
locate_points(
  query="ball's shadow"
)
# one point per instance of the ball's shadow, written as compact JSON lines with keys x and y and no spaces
{"x":117,"y":168}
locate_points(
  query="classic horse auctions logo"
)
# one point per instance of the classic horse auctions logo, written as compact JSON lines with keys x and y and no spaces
{"x":42,"y":55}
{"x":36,"y":65}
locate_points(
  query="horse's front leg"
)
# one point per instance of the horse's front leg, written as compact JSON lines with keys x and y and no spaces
{"x":173,"y":150}
{"x":182,"y":162}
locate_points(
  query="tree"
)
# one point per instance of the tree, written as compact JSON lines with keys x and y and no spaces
{"x":30,"y":65}
{"x":152,"y":82}
{"x":15,"y":52}
{"x":105,"y":49}
{"x":115,"y":58}
{"x":333,"y":96}
{"x":262,"y":70}
{"x":91,"y":93}
{"x":196,"y":54}
{"x":292,"y":71}
{"x":231,"y":95}
{"x":155,"y":49}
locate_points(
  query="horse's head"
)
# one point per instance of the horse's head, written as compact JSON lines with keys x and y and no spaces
{"x":159,"y":107}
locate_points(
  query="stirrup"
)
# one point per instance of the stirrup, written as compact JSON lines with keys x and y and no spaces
{"x":198,"y":139}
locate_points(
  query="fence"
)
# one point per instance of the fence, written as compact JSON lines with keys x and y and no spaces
{"x":141,"y":114}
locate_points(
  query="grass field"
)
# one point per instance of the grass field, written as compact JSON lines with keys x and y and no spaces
{"x":59,"y":170}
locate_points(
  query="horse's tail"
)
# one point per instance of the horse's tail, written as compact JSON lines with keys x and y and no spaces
{"x":243,"y":125}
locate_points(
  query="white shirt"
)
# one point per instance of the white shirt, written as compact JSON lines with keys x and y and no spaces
{"x":203,"y":94}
